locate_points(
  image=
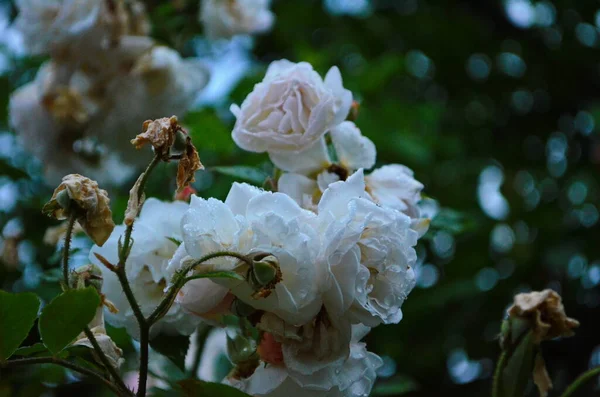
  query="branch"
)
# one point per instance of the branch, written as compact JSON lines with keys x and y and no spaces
{"x":67,"y":248}
{"x":69,"y":365}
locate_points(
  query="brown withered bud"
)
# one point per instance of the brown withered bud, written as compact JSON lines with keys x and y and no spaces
{"x":188,"y":165}
{"x":160,"y":133}
{"x":545,"y":313}
{"x":81,"y":196}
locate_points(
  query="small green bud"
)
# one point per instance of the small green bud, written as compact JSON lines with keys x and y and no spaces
{"x":240,"y":349}
{"x":265,"y":270}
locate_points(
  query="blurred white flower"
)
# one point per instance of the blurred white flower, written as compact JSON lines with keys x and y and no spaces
{"x":51,"y":25}
{"x":155,"y":229}
{"x":81,"y":122}
{"x":226,"y":18}
{"x":291,"y":109}
{"x":77,"y":29}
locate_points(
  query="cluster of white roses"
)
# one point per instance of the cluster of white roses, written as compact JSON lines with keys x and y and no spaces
{"x":329,"y":254}
{"x":105,"y":77}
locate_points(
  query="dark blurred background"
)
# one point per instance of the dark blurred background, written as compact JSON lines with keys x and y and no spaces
{"x":496,"y":107}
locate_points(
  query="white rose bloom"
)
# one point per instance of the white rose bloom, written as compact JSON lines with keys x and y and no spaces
{"x":353,"y":151}
{"x":153,"y":247}
{"x":52,"y":25}
{"x":226,"y":18}
{"x":353,"y":378}
{"x":291,"y":109}
{"x":199,"y":296}
{"x":394,"y":186}
{"x":386,"y":243}
{"x":254,"y":221}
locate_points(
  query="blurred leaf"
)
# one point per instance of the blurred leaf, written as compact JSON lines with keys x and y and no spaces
{"x":519,"y":367}
{"x":193,"y":388}
{"x":13,"y":173}
{"x":453,"y":222}
{"x":34,"y":350}
{"x":209,"y":132}
{"x":17,"y":315}
{"x":174,"y":347}
{"x":245,"y":173}
{"x":396,"y":386}
{"x":66,"y":316}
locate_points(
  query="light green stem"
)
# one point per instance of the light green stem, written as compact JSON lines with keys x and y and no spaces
{"x":584,"y":377}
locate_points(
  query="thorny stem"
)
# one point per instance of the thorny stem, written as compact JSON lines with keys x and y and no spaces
{"x":498,"y":373}
{"x":67,"y":248}
{"x":66,"y":252}
{"x":127,"y":243}
{"x":69,"y":365}
{"x":178,"y":284}
{"x":143,"y":323}
{"x":584,"y":377}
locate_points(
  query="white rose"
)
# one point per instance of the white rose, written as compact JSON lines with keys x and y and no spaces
{"x":226,"y":18}
{"x":253,"y":221}
{"x":352,"y":378}
{"x":386,"y":243}
{"x":353,"y":151}
{"x":290,"y":109}
{"x":394,"y":186}
{"x":51,"y":25}
{"x":146,"y":267}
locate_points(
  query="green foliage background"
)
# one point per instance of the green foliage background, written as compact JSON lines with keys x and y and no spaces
{"x":448,"y":127}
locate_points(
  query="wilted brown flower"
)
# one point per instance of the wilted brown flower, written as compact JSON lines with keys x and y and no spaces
{"x":188,"y":165}
{"x":81,"y":196}
{"x":160,"y":133}
{"x":545,"y":312}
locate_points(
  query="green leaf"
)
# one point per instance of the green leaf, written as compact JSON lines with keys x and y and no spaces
{"x":209,"y":132}
{"x":245,"y":173}
{"x":13,"y":173}
{"x":33,"y":350}
{"x":17,"y":315}
{"x":174,"y":347}
{"x":394,"y":387}
{"x":66,"y":316}
{"x":193,"y":388}
{"x":519,"y":368}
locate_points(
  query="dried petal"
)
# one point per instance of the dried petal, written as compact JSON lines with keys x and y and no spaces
{"x":545,"y":312}
{"x":160,"y":133}
{"x":91,"y":206}
{"x":188,"y":165}
{"x":135,"y":202}
{"x":540,"y":376}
